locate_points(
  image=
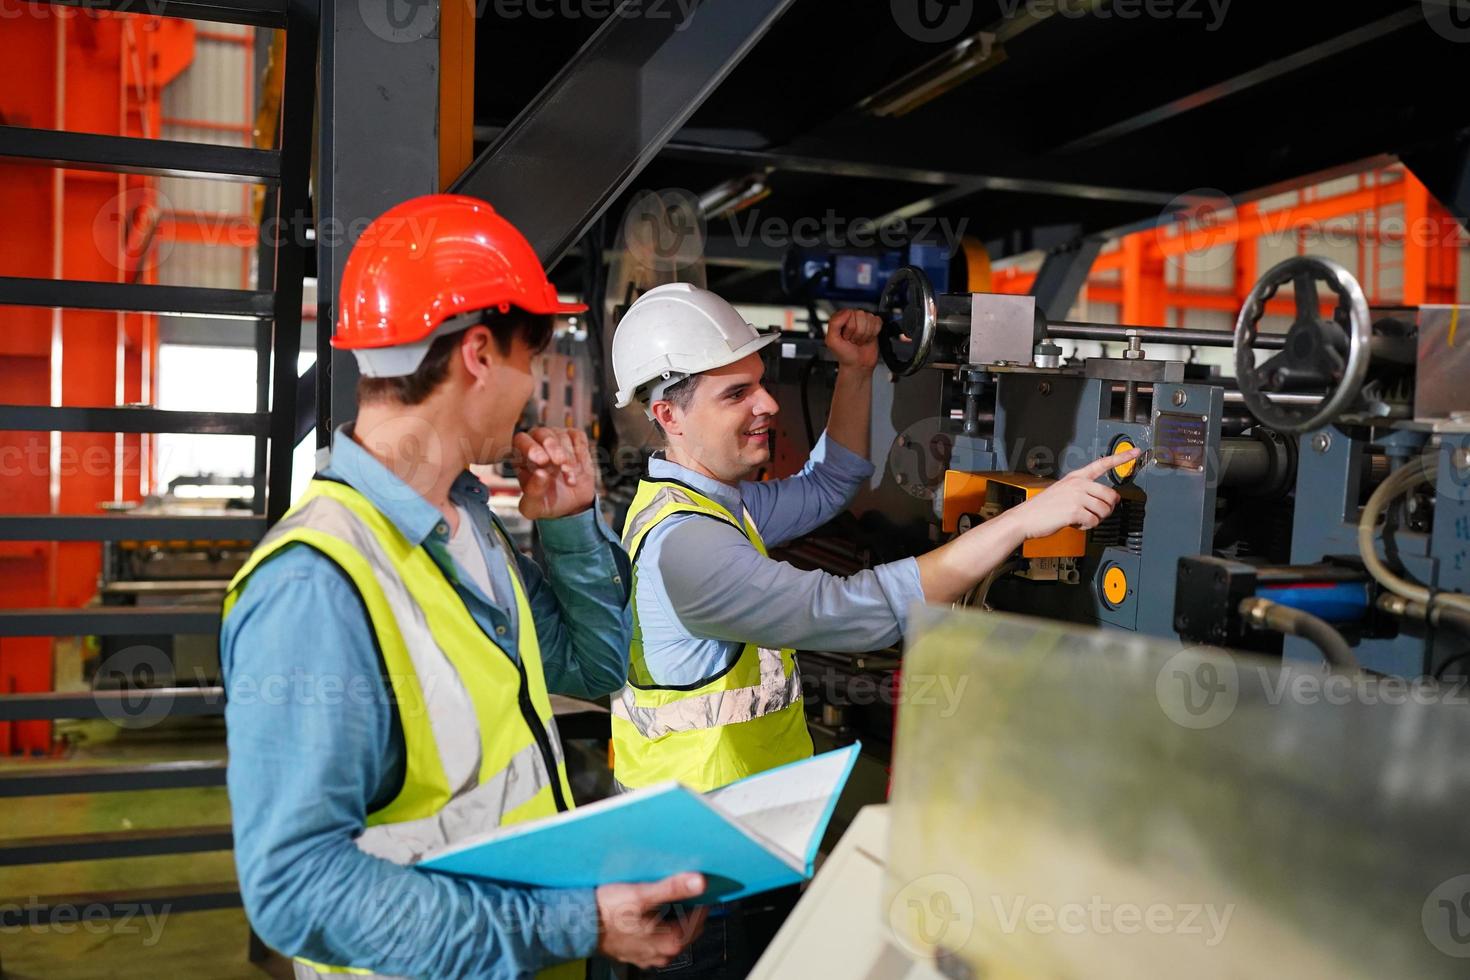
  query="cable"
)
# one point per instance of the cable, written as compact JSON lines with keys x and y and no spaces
{"x":980,"y":594}
{"x":1265,"y":614}
{"x":1440,"y":671}
{"x":806,"y":404}
{"x":1456,"y":618}
{"x":1423,"y":470}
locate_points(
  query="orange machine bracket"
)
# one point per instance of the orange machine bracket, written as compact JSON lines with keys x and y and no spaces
{"x":964,"y":493}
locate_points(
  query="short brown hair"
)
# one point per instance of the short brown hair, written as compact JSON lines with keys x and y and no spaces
{"x":413,"y":389}
{"x":681,"y":393}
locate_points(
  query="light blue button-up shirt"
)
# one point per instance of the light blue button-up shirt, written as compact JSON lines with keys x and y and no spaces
{"x":703,"y":590}
{"x":315,"y":742}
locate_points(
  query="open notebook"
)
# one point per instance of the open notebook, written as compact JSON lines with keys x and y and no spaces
{"x":749,"y":837}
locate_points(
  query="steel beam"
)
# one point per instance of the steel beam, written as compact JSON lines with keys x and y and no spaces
{"x":132,"y":155}
{"x":875,"y":170}
{"x":155,"y":903}
{"x":122,"y":844}
{"x":1062,"y":276}
{"x":378,"y":146}
{"x":55,"y":781}
{"x":303,"y":20}
{"x":81,"y":294}
{"x":1270,"y":71}
{"x":128,"y":527}
{"x":609,"y":112}
{"x":182,"y":702}
{"x":110,"y":621}
{"x":257,"y":13}
{"x":41,"y":418}
{"x":1444,"y":168}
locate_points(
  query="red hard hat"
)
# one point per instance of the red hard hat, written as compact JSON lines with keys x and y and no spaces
{"x":423,"y":265}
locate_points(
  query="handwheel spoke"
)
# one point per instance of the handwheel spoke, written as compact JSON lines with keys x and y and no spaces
{"x":1273,"y":374}
{"x":1332,"y":361}
{"x":1307,"y":307}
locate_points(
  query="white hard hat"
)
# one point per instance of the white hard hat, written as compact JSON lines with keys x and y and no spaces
{"x":674,"y":331}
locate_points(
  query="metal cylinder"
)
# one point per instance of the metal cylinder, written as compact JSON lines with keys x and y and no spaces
{"x":1260,"y":465}
{"x":1243,"y":461}
{"x":954,"y":314}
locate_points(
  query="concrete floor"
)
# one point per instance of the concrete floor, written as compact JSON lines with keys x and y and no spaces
{"x":184,"y":944}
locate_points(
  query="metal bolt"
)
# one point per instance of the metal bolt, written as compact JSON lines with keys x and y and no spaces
{"x":1135,"y":346}
{"x":1044,"y":387}
{"x":1321,"y":442}
{"x":898,"y":478}
{"x":1461,"y":458}
{"x":1179,"y":397}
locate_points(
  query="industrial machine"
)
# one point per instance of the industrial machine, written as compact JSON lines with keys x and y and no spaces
{"x":1255,"y":510}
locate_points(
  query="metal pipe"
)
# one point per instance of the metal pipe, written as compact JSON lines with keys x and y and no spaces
{"x":1118,"y":333}
{"x":1267,"y":615}
{"x":1236,"y":398}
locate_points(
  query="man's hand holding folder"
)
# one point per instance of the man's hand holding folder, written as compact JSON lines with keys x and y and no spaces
{"x":632,"y":926}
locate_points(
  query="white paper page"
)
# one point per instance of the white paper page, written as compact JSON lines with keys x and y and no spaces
{"x":784,"y":806}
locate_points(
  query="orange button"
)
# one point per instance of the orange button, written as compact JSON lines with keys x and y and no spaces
{"x":1115,"y":584}
{"x":1124,"y":472}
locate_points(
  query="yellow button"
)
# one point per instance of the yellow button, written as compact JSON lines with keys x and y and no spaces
{"x":1115,"y":585}
{"x":1125,"y":471}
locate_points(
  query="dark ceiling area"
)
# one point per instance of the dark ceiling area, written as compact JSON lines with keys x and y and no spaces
{"x":1081,"y":121}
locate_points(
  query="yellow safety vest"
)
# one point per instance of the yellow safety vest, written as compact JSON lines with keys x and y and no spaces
{"x":745,"y":720}
{"x":447,"y":677}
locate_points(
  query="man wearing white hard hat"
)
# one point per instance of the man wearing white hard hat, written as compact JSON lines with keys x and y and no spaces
{"x":713,"y":690}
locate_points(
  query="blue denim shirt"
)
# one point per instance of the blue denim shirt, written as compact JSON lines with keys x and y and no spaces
{"x":315,"y":742}
{"x":703,"y":591}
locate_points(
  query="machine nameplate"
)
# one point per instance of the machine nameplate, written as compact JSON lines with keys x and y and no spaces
{"x":1180,"y":441}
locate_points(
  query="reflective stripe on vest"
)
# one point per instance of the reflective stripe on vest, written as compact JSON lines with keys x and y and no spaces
{"x":724,"y":707}
{"x":747,"y":719}
{"x":474,"y":760}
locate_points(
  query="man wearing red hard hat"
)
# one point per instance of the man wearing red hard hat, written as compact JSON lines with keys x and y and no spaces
{"x":389,"y":655}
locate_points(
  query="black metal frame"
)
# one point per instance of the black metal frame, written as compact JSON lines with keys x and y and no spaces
{"x":109,"y":621}
{"x":135,"y":155}
{"x":127,"y":843}
{"x":128,"y":527}
{"x":182,"y":701}
{"x":80,"y":294}
{"x":277,"y":310}
{"x":42,"y":418}
{"x":256,"y":13}
{"x":112,"y":779}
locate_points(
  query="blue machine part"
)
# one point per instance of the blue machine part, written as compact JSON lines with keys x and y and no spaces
{"x":857,"y":275}
{"x":1335,"y":602}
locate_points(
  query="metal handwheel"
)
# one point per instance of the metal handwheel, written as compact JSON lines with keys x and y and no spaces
{"x":1319,"y":352}
{"x":908,"y":310}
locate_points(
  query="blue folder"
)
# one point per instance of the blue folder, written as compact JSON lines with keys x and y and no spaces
{"x":662,"y":830}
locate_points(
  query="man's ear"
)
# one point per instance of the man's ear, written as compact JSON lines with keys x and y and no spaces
{"x":664,"y":413}
{"x":478,"y":353}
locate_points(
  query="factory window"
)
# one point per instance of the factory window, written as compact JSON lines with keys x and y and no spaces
{"x":215,"y":379}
